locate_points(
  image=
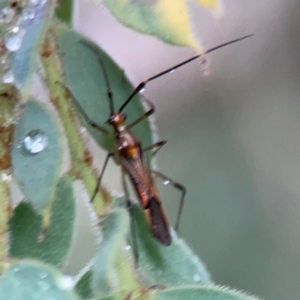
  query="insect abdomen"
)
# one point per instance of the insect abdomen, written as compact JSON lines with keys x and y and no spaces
{"x":158,"y":222}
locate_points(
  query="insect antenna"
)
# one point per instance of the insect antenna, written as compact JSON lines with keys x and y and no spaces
{"x":105,"y":75}
{"x":143,"y":84}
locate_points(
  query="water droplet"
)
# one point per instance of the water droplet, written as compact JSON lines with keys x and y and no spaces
{"x":4,"y":61}
{"x":38,"y":2}
{"x":142,"y":90}
{"x":28,"y":14}
{"x":67,"y":282}
{"x":13,"y":38}
{"x":166,"y":182}
{"x":6,"y":15}
{"x":6,"y":177}
{"x":35,"y":141}
{"x":171,"y":71}
{"x":127,"y":247}
{"x":8,"y":77}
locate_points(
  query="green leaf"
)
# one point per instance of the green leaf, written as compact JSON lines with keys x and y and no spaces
{"x":37,"y":174}
{"x":200,"y":293}
{"x":24,"y":60}
{"x":112,"y":298}
{"x":33,"y":280}
{"x":212,"y":4}
{"x":172,"y":265}
{"x":84,"y":77}
{"x":115,"y":227}
{"x":166,"y":19}
{"x":26,"y":228}
{"x":4,"y":3}
{"x":83,"y":286}
{"x":101,"y":280}
{"x":111,"y":275}
{"x":64,"y":11}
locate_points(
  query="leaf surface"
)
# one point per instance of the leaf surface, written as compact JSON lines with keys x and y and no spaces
{"x":37,"y":173}
{"x":200,"y":293}
{"x":170,"y":266}
{"x":26,"y":228}
{"x":84,"y":77}
{"x":24,"y":60}
{"x":64,"y":11}
{"x":33,"y":280}
{"x":168,"y":20}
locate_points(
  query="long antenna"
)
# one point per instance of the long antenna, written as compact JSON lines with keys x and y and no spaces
{"x":143,"y":84}
{"x":107,"y":83}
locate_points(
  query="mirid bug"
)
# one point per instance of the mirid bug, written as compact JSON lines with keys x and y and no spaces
{"x":129,"y":154}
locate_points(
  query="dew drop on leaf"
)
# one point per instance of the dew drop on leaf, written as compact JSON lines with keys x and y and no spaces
{"x":38,"y":2}
{"x":13,"y":38}
{"x":8,"y":77}
{"x":4,"y":61}
{"x":34,"y":2}
{"x":28,"y":14}
{"x":35,"y":141}
{"x":67,"y":282}
{"x":127,"y":247}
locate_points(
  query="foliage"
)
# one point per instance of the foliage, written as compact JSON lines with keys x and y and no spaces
{"x":37,"y":233}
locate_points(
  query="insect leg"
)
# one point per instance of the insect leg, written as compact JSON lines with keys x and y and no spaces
{"x":144,"y":116}
{"x":157,"y":145}
{"x":178,"y":186}
{"x":109,"y":92}
{"x":81,"y":110}
{"x":132,"y":227}
{"x":110,"y":154}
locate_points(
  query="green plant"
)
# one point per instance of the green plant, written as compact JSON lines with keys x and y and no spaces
{"x":36,"y":234}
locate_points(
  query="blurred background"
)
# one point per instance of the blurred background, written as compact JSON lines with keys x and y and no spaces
{"x":233,"y":136}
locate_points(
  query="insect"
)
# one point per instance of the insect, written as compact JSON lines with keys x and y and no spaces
{"x":129,"y":154}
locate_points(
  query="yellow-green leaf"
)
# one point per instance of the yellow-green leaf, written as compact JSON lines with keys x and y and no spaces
{"x":166,"y":19}
{"x":212,"y":4}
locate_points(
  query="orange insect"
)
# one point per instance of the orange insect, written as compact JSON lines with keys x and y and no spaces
{"x":129,"y":154}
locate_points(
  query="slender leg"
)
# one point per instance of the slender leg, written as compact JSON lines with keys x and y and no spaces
{"x":143,"y":84}
{"x":132,"y":227}
{"x":110,"y":154}
{"x":157,"y":145}
{"x":81,"y":110}
{"x":180,"y":187}
{"x":144,"y":116}
{"x":109,"y":92}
